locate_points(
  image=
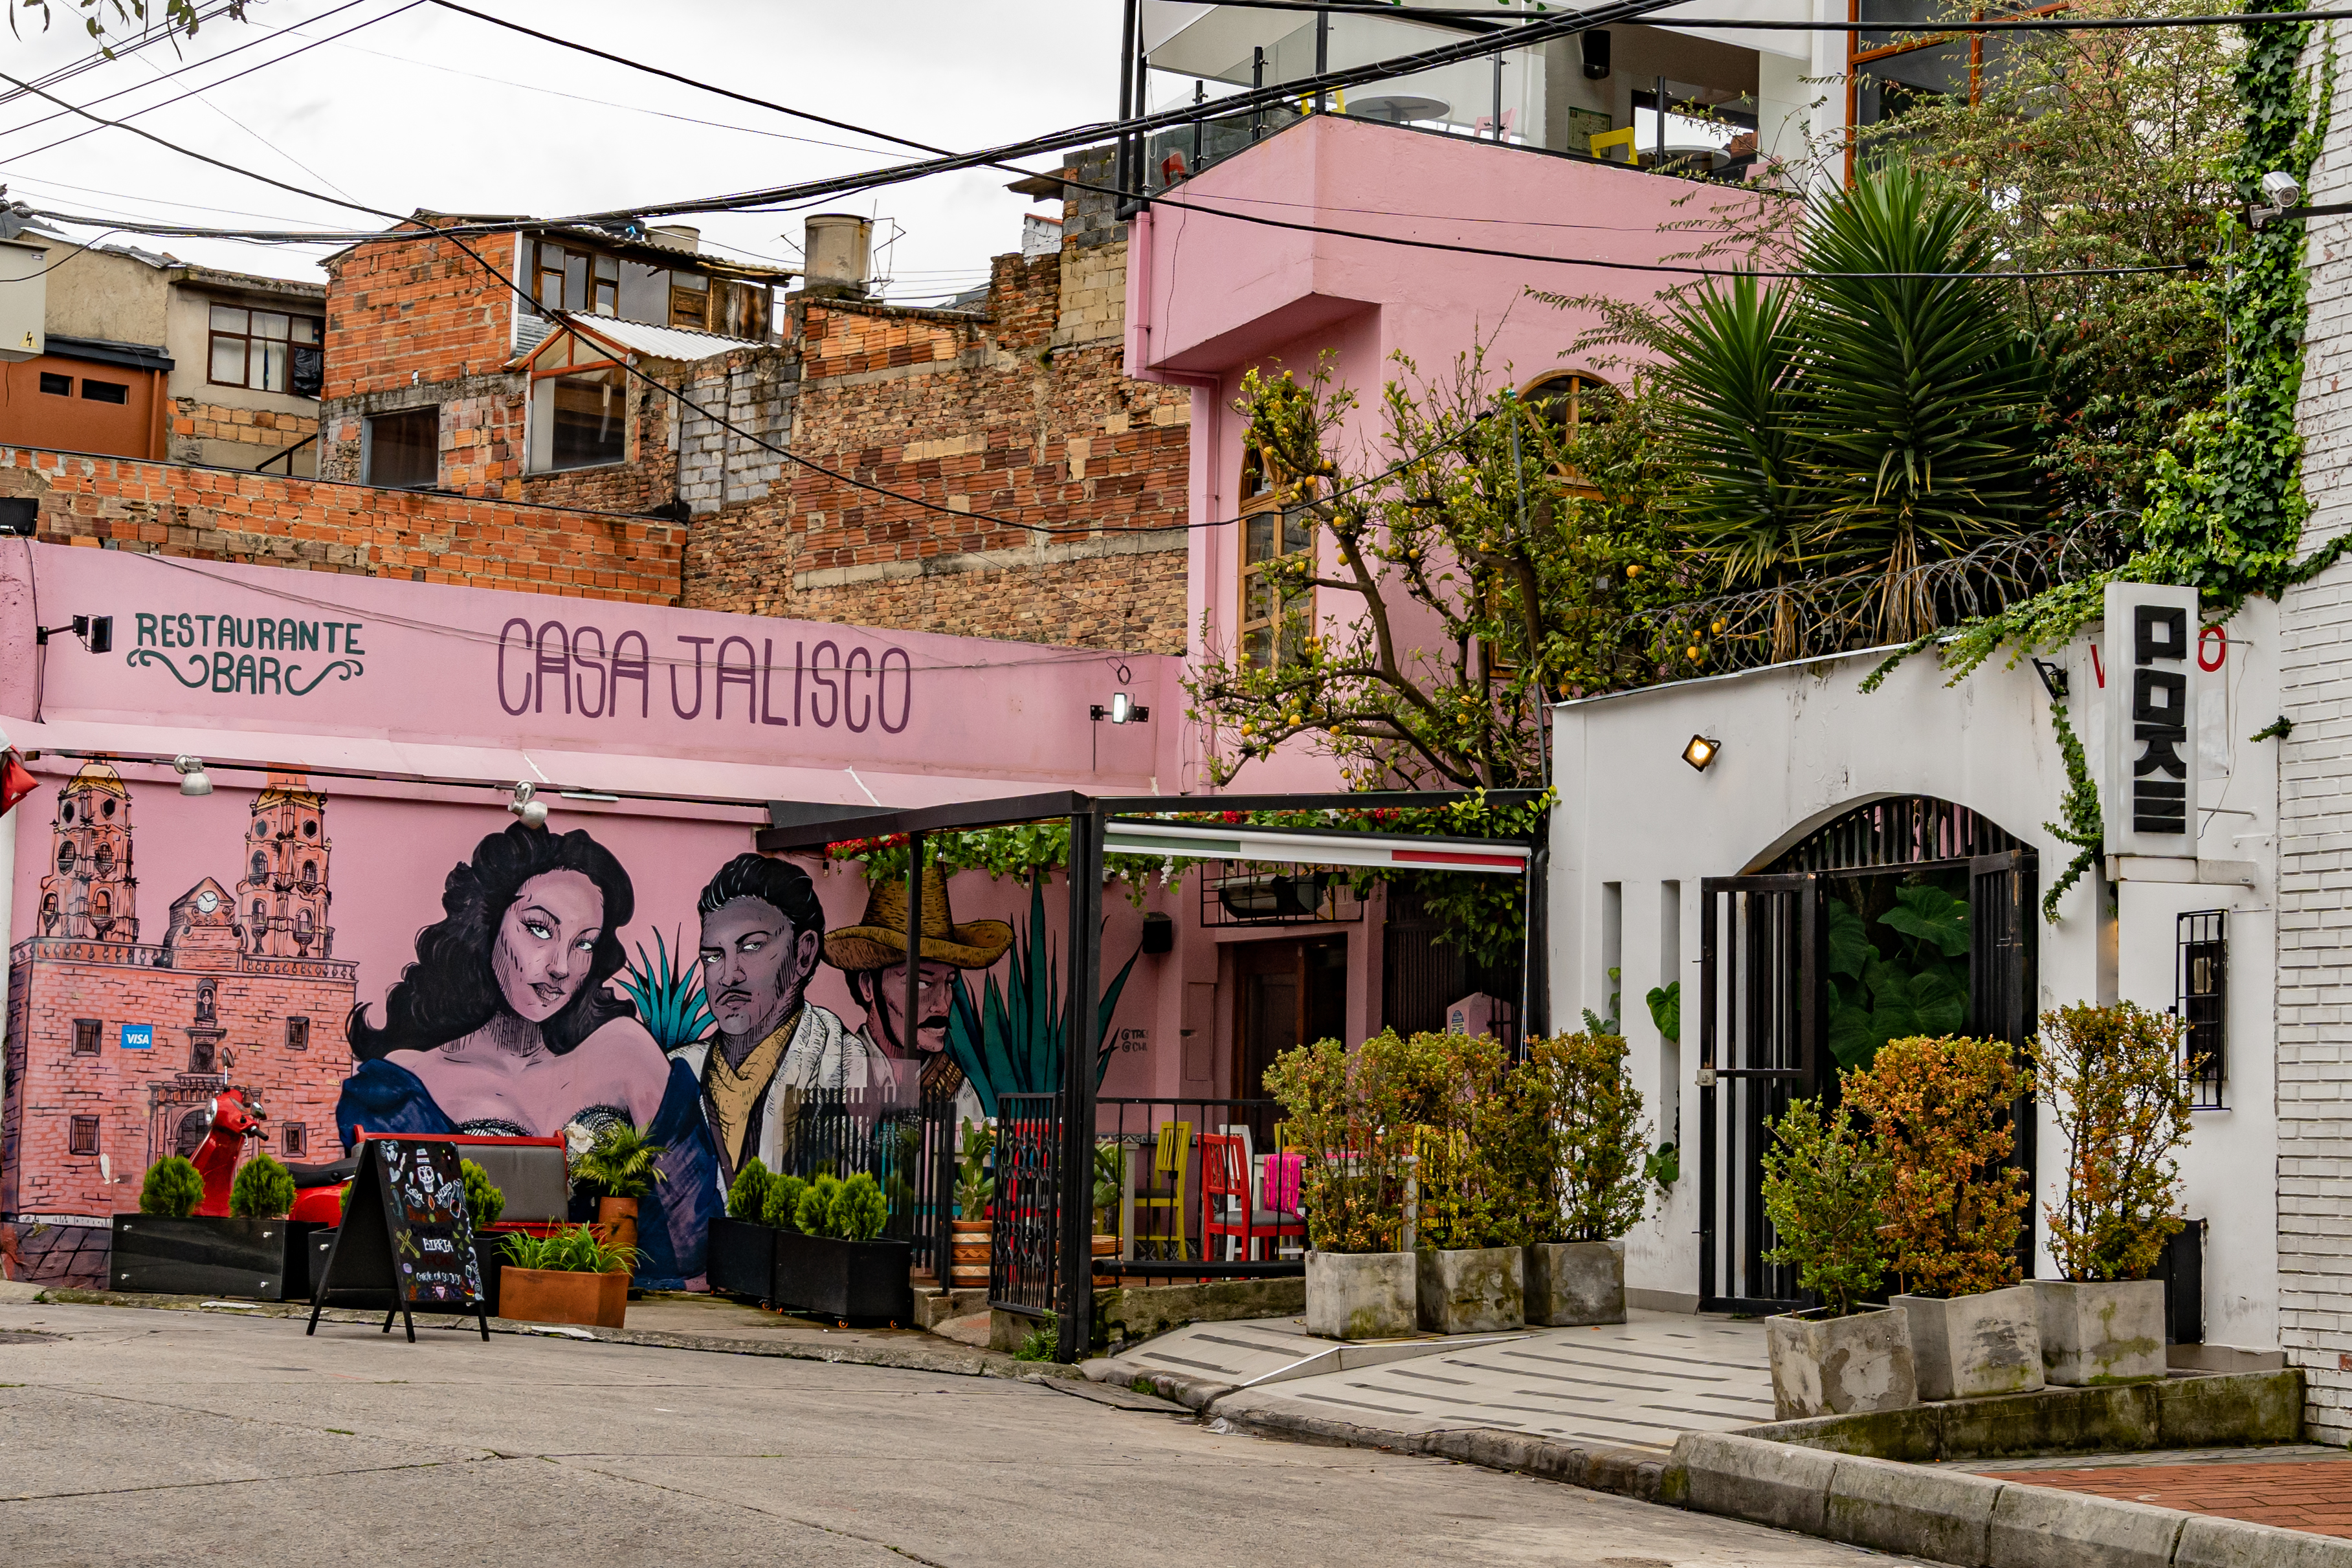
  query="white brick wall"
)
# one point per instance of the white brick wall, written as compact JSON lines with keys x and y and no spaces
{"x":2315,"y":914}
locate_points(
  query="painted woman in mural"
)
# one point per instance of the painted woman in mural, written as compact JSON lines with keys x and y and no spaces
{"x":503,"y":1025}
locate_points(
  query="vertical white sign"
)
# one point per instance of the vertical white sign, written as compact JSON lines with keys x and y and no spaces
{"x":2149,"y":682}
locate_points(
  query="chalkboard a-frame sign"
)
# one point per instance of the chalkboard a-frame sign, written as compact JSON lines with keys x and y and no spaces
{"x":407,"y":1242}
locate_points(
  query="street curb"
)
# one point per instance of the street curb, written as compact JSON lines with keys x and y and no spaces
{"x":957,"y":1362}
{"x":1627,"y":1473}
{"x":1975,"y":1521}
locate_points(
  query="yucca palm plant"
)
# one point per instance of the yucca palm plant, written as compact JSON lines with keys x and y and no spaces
{"x":1009,"y":1040}
{"x":1921,"y":392}
{"x":1732,"y":376}
{"x":667,"y":991}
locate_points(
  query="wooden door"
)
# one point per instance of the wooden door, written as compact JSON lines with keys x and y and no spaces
{"x":1286,"y":994}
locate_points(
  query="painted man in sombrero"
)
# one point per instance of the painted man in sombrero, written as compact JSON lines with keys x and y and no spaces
{"x":872,"y":956}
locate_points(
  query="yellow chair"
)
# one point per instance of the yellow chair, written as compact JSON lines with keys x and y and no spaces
{"x":1601,"y":144}
{"x":1172,"y":1161}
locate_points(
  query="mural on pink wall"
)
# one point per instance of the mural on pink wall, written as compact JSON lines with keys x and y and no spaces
{"x":520,"y":981}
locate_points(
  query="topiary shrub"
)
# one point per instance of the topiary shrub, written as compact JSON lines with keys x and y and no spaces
{"x":484,"y":1201}
{"x":2118,"y":1093}
{"x":860,"y":1209}
{"x":781,"y":1206}
{"x":813,"y":1216}
{"x":747,"y":1196}
{"x":173,"y":1188}
{"x":263,"y":1190}
{"x":1825,"y":1182}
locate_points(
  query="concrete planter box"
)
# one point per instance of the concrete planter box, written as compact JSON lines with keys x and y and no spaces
{"x":1475,"y":1290}
{"x":2101,"y":1330}
{"x":1972,"y":1347}
{"x":1841,"y":1367}
{"x":1575,"y":1284}
{"x":1359,"y":1295}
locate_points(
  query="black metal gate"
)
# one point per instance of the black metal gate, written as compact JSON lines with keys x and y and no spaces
{"x":1763,"y":1008}
{"x":1761,"y":1027}
{"x":1021,"y":1264}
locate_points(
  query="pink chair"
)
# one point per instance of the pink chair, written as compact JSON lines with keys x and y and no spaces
{"x":1226,"y":1179}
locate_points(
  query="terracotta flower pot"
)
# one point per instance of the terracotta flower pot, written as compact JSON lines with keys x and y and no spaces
{"x":968,"y":1247}
{"x":563,"y":1296}
{"x":616,"y":1219}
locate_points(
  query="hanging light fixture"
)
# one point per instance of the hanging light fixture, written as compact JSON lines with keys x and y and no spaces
{"x":193,"y":780}
{"x":1701,"y":752}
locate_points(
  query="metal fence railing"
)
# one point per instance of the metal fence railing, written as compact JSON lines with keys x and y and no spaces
{"x":1026,"y":1206}
{"x":908,"y":1149}
{"x":1156,"y":1157}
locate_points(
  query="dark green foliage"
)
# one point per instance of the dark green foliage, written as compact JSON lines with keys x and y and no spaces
{"x":1823,"y":1184}
{"x":620,"y":1162}
{"x":262,"y":1191}
{"x":1666,"y":1008}
{"x":747,"y":1195}
{"x":1914,"y":981}
{"x":484,"y":1201}
{"x":1732,"y":376}
{"x":812,"y":1215}
{"x":1009,"y":1040}
{"x":575,"y":1250}
{"x":858,"y":1211}
{"x":173,"y":1188}
{"x":667,"y":991}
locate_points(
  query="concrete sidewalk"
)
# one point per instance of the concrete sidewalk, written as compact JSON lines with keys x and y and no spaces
{"x":1634,"y":1385}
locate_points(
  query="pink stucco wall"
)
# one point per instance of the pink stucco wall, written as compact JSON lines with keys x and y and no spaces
{"x":1209,"y":297}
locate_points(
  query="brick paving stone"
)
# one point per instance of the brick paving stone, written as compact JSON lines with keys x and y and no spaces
{"x":2294,"y":1493}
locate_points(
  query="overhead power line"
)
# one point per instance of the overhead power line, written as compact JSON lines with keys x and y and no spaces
{"x":1489,"y":21}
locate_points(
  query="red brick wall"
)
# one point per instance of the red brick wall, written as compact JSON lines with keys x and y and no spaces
{"x":50,"y":1085}
{"x":217,"y":515}
{"x":400,"y":309}
{"x":1006,"y":418}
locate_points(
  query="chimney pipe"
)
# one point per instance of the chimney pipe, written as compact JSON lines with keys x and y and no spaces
{"x":838,"y":250}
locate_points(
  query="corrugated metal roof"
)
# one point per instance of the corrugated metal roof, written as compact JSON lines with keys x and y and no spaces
{"x":661,"y":343}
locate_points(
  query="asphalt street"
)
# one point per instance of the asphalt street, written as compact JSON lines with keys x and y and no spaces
{"x":138,"y":1437}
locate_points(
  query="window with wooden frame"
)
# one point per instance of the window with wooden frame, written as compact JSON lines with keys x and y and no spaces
{"x":294,"y":1138}
{"x":297,"y":1031}
{"x":1270,"y":531}
{"x":1897,"y":60}
{"x":579,"y":406}
{"x":1566,"y":401}
{"x":568,"y":278}
{"x":86,"y":1036}
{"x":268,"y":350}
{"x":82,"y":1138}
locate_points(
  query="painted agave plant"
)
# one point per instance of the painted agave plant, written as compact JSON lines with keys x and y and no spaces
{"x":667,"y":989}
{"x":1009,"y":1040}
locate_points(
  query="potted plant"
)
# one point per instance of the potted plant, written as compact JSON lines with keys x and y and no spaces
{"x":1939,"y":1114}
{"x":618,"y":1167}
{"x":253,"y":1250}
{"x":1469,"y":1260}
{"x":1567,"y":1128}
{"x":1111,"y":1175}
{"x":485,"y":1203}
{"x":1823,"y":1185}
{"x":835,"y":1263}
{"x":741,"y":1260}
{"x":969,"y":1232}
{"x":571,"y":1275}
{"x":1360,"y":1279}
{"x":2119,"y":1094}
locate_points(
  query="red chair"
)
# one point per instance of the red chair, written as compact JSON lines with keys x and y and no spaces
{"x":1228,"y":1207}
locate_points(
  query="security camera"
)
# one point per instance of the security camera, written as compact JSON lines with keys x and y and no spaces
{"x":2281,"y":190}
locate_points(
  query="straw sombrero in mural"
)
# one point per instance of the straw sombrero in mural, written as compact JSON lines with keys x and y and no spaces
{"x":879,"y":939}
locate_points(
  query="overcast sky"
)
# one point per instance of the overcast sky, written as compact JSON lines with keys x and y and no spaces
{"x":427,"y":107}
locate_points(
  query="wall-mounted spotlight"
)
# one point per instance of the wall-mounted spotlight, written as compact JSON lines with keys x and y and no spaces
{"x":2053,"y":678}
{"x":1701,"y":752}
{"x":532,"y":812}
{"x":1122,"y":709}
{"x":193,"y":780}
{"x":96,"y":631}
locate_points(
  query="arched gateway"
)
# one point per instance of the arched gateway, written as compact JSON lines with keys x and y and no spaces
{"x":1905,"y":915}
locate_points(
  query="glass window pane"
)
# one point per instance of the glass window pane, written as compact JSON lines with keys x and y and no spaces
{"x":608,"y":268}
{"x":227,"y":318}
{"x":268,"y":365}
{"x":1257,"y":538}
{"x":1258,"y":598}
{"x":591,"y":424}
{"x":403,"y":450}
{"x":576,"y":282}
{"x":1298,"y":529}
{"x":1257,"y":647}
{"x":228,"y":361}
{"x":268,"y":324}
{"x":1884,"y":89}
{"x":306,"y":329}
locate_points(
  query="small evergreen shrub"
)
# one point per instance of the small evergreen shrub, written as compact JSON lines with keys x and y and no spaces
{"x":173,"y":1188}
{"x":1825,"y":1185}
{"x":747,"y":1196}
{"x":263,"y":1190}
{"x":484,"y":1201}
{"x":813,"y":1216}
{"x":781,"y":1206}
{"x":860,"y":1209}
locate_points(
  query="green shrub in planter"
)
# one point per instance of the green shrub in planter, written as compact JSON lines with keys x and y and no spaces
{"x":747,"y":1197}
{"x":860,"y":1209}
{"x":813,"y":1216}
{"x":263,"y":1190}
{"x":1824,"y":1186}
{"x":173,"y":1188}
{"x":577,"y":1250}
{"x":781,"y":1206}
{"x":484,"y":1201}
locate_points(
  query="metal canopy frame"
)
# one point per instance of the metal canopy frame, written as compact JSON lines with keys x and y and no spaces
{"x":798,"y":827}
